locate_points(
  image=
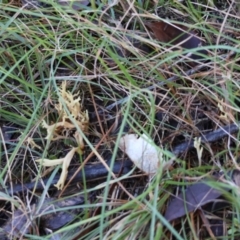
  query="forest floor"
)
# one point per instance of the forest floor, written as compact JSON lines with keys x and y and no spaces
{"x":93,"y":92}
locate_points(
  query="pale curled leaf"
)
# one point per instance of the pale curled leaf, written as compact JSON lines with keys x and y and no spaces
{"x":144,"y":153}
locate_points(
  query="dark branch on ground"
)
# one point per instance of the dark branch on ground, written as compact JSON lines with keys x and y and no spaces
{"x":98,"y":170}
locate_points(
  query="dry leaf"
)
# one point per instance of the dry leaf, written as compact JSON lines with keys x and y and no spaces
{"x":199,"y":194}
{"x":193,"y":198}
{"x":175,"y":35}
{"x":144,"y":153}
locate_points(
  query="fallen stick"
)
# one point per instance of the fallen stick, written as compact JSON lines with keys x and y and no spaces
{"x":89,"y":172}
{"x":95,"y":171}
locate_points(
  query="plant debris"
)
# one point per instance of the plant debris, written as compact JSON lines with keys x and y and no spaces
{"x":89,"y":172}
{"x":71,"y":117}
{"x":199,"y":194}
{"x":168,"y":69}
{"x":177,"y":35}
{"x":50,"y":216}
{"x":144,"y":153}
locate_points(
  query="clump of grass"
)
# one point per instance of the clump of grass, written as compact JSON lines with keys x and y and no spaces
{"x":105,"y":52}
